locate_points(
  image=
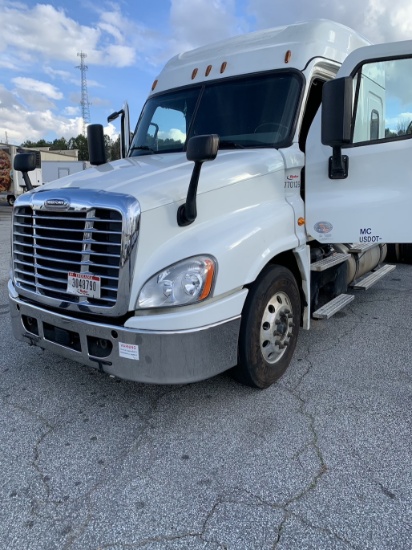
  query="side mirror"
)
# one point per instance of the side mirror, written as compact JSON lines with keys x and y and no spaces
{"x":337,"y":101}
{"x":199,"y":149}
{"x":337,"y":98}
{"x":95,"y":140}
{"x":25,"y":162}
{"x":202,"y":148}
{"x":125,"y":134}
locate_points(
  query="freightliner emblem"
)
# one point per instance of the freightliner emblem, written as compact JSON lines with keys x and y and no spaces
{"x":62,"y":204}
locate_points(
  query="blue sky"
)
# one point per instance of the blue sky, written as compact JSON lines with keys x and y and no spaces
{"x":127,"y":43}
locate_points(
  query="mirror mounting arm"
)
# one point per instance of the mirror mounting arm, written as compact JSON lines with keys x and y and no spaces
{"x":199,"y":149}
{"x":338,"y":164}
{"x":27,"y":181}
{"x":187,"y":212}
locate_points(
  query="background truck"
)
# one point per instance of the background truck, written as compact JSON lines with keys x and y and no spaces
{"x":263,"y":179}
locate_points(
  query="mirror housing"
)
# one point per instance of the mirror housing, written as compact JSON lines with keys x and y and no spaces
{"x":125,"y":134}
{"x":95,"y":142}
{"x":202,"y":148}
{"x":337,"y":99}
{"x":24,"y":162}
{"x":199,"y":149}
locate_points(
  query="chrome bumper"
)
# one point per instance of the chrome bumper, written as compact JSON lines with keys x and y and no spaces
{"x":143,"y":356}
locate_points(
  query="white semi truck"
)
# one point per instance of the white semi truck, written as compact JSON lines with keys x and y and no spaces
{"x":263,"y":179}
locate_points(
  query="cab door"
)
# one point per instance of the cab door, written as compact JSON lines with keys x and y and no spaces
{"x":359,"y":150}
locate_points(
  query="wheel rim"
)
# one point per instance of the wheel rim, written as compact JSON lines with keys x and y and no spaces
{"x":276,"y":328}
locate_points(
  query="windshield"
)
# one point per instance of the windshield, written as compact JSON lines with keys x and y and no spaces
{"x":253,"y":111}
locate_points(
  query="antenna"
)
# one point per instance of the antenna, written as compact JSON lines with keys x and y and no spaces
{"x":84,"y":101}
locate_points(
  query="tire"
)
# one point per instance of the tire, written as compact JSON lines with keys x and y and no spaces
{"x":400,"y":253}
{"x":405,"y":252}
{"x":11,"y":199}
{"x":269,"y":328}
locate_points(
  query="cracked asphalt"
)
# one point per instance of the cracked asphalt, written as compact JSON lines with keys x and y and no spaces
{"x":321,"y":460}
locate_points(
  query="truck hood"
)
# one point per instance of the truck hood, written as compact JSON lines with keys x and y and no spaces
{"x":157,"y":180}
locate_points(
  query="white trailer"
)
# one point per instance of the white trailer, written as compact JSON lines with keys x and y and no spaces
{"x":259,"y":189}
{"x":56,"y":169}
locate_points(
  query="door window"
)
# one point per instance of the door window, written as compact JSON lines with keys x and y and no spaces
{"x":383,"y":101}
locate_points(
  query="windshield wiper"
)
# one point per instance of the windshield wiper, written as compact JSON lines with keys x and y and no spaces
{"x":142,"y":148}
{"x":230,"y":145}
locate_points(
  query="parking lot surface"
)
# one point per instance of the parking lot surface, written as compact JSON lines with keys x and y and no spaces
{"x":321,"y":460}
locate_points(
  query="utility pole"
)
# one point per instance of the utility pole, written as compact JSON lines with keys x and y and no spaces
{"x":84,"y":101}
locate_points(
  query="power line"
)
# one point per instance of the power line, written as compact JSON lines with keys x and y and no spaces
{"x":84,"y":101}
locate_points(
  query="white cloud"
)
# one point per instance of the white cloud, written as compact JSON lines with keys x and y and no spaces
{"x":32,"y":85}
{"x":71,"y":111}
{"x":377,"y":20}
{"x":175,"y":134}
{"x":198,"y":22}
{"x":110,"y":130}
{"x":120,"y":56}
{"x":22,"y":122}
{"x":43,"y":29}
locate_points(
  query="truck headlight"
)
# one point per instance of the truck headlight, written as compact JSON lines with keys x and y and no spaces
{"x":185,"y":282}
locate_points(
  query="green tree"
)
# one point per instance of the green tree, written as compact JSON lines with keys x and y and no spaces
{"x":59,"y":144}
{"x":40,"y":143}
{"x":80,"y":143}
{"x":115,"y":149}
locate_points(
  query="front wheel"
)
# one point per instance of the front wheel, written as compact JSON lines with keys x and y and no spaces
{"x":11,"y":199}
{"x":269,"y":328}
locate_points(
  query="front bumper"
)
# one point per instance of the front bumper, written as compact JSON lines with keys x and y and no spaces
{"x":158,"y":357}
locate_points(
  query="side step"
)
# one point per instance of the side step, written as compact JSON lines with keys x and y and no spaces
{"x":373,"y":278}
{"x":330,"y":261}
{"x":332,"y":307}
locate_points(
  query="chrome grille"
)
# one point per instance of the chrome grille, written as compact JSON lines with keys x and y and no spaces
{"x":48,"y":244}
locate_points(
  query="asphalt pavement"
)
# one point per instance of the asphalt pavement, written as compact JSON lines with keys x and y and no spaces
{"x":321,"y":460}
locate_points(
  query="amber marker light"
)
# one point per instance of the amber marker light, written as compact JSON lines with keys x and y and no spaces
{"x":223,"y":67}
{"x":210,"y":271}
{"x":301,"y":221}
{"x":208,"y":69}
{"x":288,"y":55}
{"x":194,"y":73}
{"x":154,"y":84}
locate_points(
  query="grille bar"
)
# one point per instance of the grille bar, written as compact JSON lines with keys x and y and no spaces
{"x":24,"y":269}
{"x":49,"y":249}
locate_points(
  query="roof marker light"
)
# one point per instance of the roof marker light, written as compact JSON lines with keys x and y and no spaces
{"x":288,"y":55}
{"x":223,"y":67}
{"x":154,"y":84}
{"x":208,"y":69}
{"x":194,"y":73}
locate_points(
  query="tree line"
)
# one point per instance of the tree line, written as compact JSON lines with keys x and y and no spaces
{"x":80,"y":143}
